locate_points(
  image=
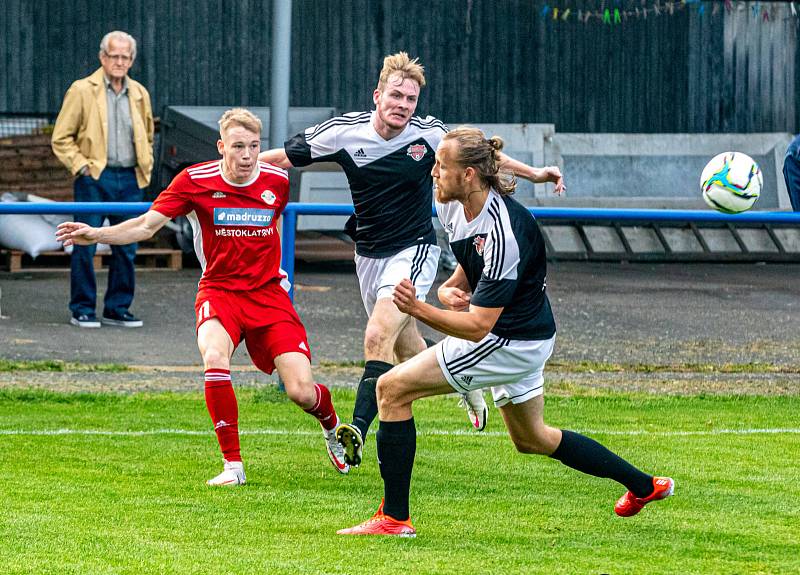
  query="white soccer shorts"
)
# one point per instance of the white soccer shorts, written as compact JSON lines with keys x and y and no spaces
{"x":378,"y":276}
{"x":513,"y":368}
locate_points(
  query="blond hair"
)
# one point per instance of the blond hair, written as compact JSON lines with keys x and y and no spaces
{"x":483,"y":155}
{"x":239,"y":117}
{"x":401,"y":64}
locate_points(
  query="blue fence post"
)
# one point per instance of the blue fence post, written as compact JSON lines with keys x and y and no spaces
{"x":288,"y":238}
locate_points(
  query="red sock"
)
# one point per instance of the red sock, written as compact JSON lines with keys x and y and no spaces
{"x":224,"y":412}
{"x":323,"y":408}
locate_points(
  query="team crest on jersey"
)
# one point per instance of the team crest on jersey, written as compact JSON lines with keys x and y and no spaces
{"x":417,"y":151}
{"x":479,"y":242}
{"x":269,"y":197}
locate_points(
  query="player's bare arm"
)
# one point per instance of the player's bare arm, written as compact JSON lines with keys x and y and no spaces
{"x":454,"y":293}
{"x":550,"y":174}
{"x":276,"y":156}
{"x":127,"y":232}
{"x":472,"y":325}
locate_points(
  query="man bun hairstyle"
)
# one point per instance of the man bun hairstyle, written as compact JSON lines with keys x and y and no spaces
{"x":239,"y":117}
{"x":401,"y":64}
{"x":482,"y":155}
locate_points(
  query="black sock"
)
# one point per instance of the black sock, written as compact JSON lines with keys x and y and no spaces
{"x":366,"y":407}
{"x":586,"y":455}
{"x":397,"y":445}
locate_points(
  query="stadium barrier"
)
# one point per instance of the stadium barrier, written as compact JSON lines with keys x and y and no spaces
{"x":292,"y":210}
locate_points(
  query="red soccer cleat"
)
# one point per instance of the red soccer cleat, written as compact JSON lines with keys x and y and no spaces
{"x":380,"y":524}
{"x":629,"y":505}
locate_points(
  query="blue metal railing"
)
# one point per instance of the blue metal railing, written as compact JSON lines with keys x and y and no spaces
{"x":292,"y":210}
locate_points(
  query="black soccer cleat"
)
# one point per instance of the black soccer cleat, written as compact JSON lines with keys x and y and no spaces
{"x":350,"y":438}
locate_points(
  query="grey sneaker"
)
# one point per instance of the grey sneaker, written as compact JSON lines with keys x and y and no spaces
{"x":477,"y":411}
{"x":349,"y":437}
{"x":336,"y":451}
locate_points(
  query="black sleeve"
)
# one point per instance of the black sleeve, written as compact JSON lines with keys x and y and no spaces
{"x":298,"y":151}
{"x":494,"y":293}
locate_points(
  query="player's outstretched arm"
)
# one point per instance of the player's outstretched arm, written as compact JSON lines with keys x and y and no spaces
{"x":550,"y":174}
{"x":473,"y":325}
{"x":276,"y":156}
{"x":127,"y":232}
{"x":454,"y":293}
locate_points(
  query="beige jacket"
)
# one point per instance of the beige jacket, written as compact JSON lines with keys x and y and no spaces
{"x":80,"y":133}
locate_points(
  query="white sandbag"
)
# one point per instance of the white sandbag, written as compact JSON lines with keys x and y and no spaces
{"x":29,"y":233}
{"x":53,"y":219}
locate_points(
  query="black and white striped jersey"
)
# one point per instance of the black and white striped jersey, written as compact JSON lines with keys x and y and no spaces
{"x":390,"y":180}
{"x":502,"y":253}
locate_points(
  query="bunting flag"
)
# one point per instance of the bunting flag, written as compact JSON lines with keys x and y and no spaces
{"x":613,"y":15}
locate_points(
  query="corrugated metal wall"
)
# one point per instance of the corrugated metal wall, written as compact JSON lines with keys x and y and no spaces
{"x":487,"y":60}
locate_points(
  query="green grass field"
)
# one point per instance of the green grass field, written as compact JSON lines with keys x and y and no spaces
{"x":115,"y":484}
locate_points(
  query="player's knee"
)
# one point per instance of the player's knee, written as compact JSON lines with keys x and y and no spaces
{"x":215,"y":358}
{"x":386,"y":392}
{"x":301,"y":392}
{"x":531,"y":446}
{"x":300,"y":397}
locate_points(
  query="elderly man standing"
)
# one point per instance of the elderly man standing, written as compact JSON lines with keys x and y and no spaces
{"x":104,"y":136}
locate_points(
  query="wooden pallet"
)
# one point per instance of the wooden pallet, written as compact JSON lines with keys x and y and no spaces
{"x":151,"y":258}
{"x":27,"y":164}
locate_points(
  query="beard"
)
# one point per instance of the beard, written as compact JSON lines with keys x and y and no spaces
{"x":443,"y":195}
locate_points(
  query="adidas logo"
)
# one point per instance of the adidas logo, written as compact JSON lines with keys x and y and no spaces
{"x":360,"y":153}
{"x":217,"y":195}
{"x":221,"y":423}
{"x":303,"y":346}
{"x":467,"y":379}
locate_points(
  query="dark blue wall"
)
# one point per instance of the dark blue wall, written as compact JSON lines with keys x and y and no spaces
{"x":487,"y":60}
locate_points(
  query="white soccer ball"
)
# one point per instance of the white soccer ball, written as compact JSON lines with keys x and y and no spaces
{"x":731,"y":182}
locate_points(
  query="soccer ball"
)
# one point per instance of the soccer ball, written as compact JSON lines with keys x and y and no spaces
{"x":731,"y":182}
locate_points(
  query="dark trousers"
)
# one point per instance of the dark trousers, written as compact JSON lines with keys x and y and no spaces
{"x":114,"y":185}
{"x":791,"y":172}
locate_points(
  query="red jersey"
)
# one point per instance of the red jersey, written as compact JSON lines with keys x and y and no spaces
{"x":235,"y":233}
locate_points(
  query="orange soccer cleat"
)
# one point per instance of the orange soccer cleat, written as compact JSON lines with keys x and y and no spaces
{"x":380,"y":524}
{"x":629,"y":505}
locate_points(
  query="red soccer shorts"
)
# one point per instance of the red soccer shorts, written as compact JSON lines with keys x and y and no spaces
{"x":264,"y":318}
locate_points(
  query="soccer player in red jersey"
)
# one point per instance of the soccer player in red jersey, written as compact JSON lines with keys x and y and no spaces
{"x":234,"y":205}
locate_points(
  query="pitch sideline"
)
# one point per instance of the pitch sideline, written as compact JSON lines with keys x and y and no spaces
{"x":432,"y":432}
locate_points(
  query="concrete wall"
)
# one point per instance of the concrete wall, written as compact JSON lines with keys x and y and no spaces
{"x":660,"y":170}
{"x":601,"y":170}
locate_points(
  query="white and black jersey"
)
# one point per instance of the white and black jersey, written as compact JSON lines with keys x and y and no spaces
{"x":502,"y":253}
{"x":390,"y":180}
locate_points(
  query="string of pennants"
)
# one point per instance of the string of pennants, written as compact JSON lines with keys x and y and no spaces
{"x":613,"y":14}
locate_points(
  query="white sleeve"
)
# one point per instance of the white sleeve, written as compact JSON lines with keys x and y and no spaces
{"x":501,"y":251}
